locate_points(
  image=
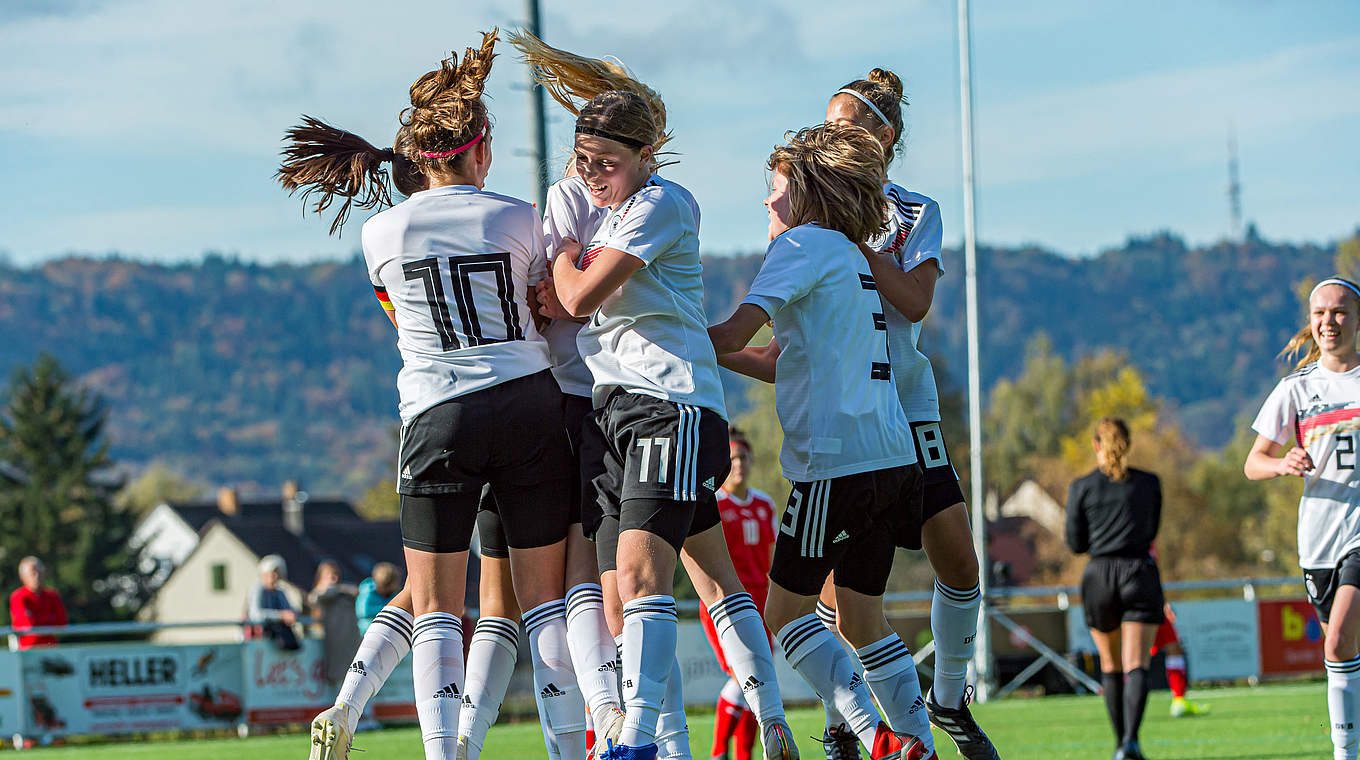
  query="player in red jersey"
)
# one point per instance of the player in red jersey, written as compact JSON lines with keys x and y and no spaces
{"x":748,"y":519}
{"x":1169,"y":643}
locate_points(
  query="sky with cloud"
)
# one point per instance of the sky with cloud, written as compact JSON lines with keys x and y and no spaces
{"x":152,"y":127}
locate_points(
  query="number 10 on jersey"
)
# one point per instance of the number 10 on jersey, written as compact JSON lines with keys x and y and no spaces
{"x":472,"y":315}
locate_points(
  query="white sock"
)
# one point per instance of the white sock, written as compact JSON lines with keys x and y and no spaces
{"x":490,"y":663}
{"x":548,"y":741}
{"x":818,"y":657}
{"x":437,"y":662}
{"x":1343,"y":707}
{"x":592,"y":648}
{"x":672,"y":729}
{"x":385,"y":643}
{"x":563,"y":710}
{"x":731,"y":691}
{"x":891,"y":675}
{"x":827,"y":614}
{"x":649,"y":634}
{"x":953,"y":623}
{"x":742,"y":635}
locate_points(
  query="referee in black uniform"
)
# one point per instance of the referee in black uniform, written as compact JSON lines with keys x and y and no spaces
{"x":1113,"y":514}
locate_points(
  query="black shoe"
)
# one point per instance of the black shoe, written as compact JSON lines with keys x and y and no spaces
{"x":840,"y":743}
{"x":958,"y":723}
{"x":1130,"y":751}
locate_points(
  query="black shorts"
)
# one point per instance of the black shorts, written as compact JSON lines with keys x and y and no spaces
{"x":940,"y":489}
{"x":844,"y":524}
{"x":1322,"y":584}
{"x":662,"y":461}
{"x":1121,"y":589}
{"x":490,"y":531}
{"x":497,"y":437}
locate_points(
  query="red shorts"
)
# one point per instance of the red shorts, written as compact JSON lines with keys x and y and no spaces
{"x":758,"y":594}
{"x":1166,"y":634}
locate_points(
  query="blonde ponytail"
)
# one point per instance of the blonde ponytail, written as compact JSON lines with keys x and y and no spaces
{"x":1112,"y":434}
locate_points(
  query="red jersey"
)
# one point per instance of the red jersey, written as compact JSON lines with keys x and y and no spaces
{"x":30,"y":609}
{"x":749,"y":527}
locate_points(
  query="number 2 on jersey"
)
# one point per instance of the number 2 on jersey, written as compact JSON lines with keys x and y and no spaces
{"x":1345,"y":447}
{"x":470,"y":315}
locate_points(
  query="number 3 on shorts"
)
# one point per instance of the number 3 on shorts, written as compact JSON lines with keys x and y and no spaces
{"x":930,"y":444}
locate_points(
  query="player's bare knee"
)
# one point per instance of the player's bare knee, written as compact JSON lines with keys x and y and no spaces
{"x":959,"y":571}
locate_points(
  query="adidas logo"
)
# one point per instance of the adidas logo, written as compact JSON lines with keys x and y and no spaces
{"x":467,"y":701}
{"x":840,"y":537}
{"x":448,"y":692}
{"x":855,"y":681}
{"x":710,"y":485}
{"x":917,"y":706}
{"x":752,"y":684}
{"x":406,"y":472}
{"x":607,"y":667}
{"x":551,"y":691}
{"x":358,"y":667}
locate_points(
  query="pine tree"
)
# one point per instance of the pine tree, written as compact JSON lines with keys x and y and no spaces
{"x":51,"y":431}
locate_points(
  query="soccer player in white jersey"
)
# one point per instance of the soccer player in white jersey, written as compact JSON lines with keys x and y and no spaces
{"x":456,"y":248}
{"x":905,"y":260}
{"x":574,"y":214}
{"x":1317,"y":410}
{"x":847,"y":450}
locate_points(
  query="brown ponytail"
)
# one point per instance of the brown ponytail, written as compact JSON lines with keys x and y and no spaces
{"x":446,"y":111}
{"x":319,"y":158}
{"x":1302,"y":344}
{"x":884,"y":89}
{"x":1112,"y":434}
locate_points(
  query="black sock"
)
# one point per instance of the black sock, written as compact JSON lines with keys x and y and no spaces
{"x":1113,"y":687}
{"x":1135,"y":699}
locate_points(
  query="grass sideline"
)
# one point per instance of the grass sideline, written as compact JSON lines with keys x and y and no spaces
{"x":1264,"y":723}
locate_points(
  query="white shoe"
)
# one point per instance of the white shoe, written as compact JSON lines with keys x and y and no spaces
{"x":331,"y":734}
{"x":607,"y":730}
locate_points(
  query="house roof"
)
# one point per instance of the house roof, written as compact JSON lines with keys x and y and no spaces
{"x":199,"y":513}
{"x":356,"y":544}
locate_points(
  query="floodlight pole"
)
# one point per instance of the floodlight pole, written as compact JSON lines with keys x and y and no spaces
{"x":538,"y":147}
{"x":982,"y":657}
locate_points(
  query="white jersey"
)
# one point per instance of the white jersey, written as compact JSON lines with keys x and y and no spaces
{"x":833,"y":382}
{"x":569,"y":213}
{"x":912,"y":237}
{"x":650,"y":336}
{"x":1320,"y":410}
{"x":457,"y":263}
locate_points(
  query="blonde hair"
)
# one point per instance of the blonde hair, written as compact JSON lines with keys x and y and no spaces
{"x":1112,"y":434}
{"x":1302,"y":344}
{"x":575,"y":82}
{"x":835,"y":178}
{"x":385,"y":578}
{"x":446,"y":112}
{"x":884,"y":89}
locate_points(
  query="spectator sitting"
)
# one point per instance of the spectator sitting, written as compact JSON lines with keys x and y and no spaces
{"x":33,"y":605}
{"x":269,"y":607}
{"x":332,"y":603}
{"x":375,"y":592}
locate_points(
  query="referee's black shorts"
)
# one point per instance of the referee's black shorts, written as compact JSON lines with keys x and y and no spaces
{"x":660,"y":464}
{"x":497,"y":437}
{"x":1121,"y":589}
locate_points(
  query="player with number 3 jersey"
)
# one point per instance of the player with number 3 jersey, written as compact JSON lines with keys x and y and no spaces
{"x":1316,"y":410}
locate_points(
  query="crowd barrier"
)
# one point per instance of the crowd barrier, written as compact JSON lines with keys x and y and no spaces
{"x":122,"y":688}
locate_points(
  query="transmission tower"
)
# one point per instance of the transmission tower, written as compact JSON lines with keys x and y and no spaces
{"x":1234,"y":188}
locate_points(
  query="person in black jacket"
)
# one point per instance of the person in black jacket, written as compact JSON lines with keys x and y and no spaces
{"x":1113,"y":514}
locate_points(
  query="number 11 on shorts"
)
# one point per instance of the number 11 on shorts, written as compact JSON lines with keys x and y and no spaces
{"x":663,"y":458}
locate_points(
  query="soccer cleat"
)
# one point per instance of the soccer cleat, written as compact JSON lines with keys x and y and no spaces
{"x":776,"y":741}
{"x":890,"y":745}
{"x":1184,"y":708}
{"x":840,"y":743}
{"x":607,"y":730}
{"x":1130,"y":751}
{"x":958,"y":723}
{"x":331,"y":735}
{"x":624,"y":752}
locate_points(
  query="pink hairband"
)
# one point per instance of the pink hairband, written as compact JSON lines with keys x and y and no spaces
{"x":455,"y":151}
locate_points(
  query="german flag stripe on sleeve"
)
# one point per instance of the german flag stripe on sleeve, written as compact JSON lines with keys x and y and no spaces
{"x":381,"y":293}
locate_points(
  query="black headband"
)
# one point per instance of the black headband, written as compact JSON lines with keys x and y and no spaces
{"x":628,"y":141}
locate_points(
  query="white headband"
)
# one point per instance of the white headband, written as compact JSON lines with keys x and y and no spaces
{"x":866,"y":102}
{"x":1334,"y":281}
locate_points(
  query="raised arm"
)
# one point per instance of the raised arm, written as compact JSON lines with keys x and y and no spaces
{"x":911,"y":293}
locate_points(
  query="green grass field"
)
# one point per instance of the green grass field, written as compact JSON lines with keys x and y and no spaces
{"x":1270,"y":722}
